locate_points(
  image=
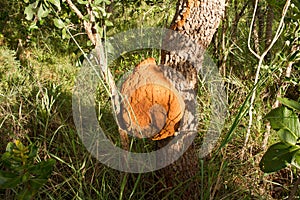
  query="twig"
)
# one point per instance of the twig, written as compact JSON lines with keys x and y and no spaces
{"x":260,"y":61}
{"x":75,"y":9}
{"x":250,"y":31}
{"x":88,"y":25}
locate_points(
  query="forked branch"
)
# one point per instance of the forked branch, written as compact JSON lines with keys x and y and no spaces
{"x":260,"y":61}
{"x":88,"y":25}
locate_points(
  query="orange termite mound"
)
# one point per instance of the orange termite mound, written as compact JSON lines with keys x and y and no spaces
{"x":152,"y":107}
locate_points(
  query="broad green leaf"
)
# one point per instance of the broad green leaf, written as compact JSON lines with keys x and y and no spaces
{"x":58,"y":23}
{"x":287,"y":136}
{"x":29,"y":12}
{"x":9,"y":147}
{"x":42,"y":169}
{"x":42,"y":12}
{"x":64,"y":34}
{"x":277,"y":157}
{"x":56,"y":3}
{"x":284,"y":118}
{"x":10,"y":161}
{"x":296,"y":160}
{"x":32,"y":151}
{"x":9,"y":180}
{"x":6,"y":158}
{"x":108,"y":23}
{"x":276,"y":117}
{"x":290,"y":103}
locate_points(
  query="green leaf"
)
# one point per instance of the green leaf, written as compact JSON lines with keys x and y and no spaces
{"x":277,"y":157}
{"x":287,"y":137}
{"x":6,"y":158}
{"x":59,"y":23}
{"x":9,"y":180}
{"x":42,"y":12}
{"x":43,"y":169}
{"x":32,"y":151}
{"x":33,"y":26}
{"x":41,"y":173}
{"x":108,"y":23}
{"x":82,"y":2}
{"x":96,"y":14}
{"x":64,"y":34}
{"x":283,"y":118}
{"x":10,"y":146}
{"x":100,"y":10}
{"x":97,"y":2}
{"x":29,"y":12}
{"x":290,"y":103}
{"x":56,"y":3}
{"x":107,"y":2}
{"x":296,"y":160}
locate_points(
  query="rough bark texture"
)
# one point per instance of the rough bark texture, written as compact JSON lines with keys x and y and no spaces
{"x":255,"y":38}
{"x":269,"y":32}
{"x":197,"y":20}
{"x":260,"y":16}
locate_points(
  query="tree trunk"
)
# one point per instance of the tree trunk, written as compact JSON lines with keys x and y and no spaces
{"x":197,"y":20}
{"x":260,"y":16}
{"x":256,"y":38}
{"x":269,"y":32}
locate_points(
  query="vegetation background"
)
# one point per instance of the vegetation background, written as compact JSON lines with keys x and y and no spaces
{"x":39,"y":61}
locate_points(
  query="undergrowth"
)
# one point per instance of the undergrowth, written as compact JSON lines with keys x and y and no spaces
{"x":36,"y":108}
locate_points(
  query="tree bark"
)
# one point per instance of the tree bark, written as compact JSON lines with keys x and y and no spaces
{"x":261,"y":19}
{"x":197,"y":20}
{"x":256,"y":38}
{"x":269,"y":32}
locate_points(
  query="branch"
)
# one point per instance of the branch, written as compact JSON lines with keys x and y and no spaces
{"x":250,"y":31}
{"x":75,"y":9}
{"x":88,"y":25}
{"x":261,"y":58}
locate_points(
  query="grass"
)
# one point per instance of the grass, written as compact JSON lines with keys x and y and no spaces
{"x":35,"y":106}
